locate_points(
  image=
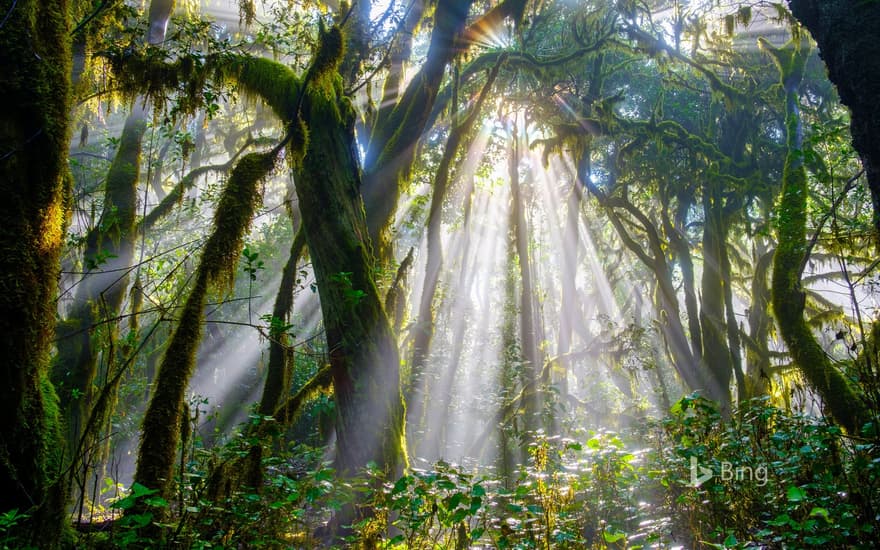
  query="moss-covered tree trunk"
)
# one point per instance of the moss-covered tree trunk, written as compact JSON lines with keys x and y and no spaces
{"x":846,"y":32}
{"x":163,"y":418}
{"x":788,"y":297}
{"x":363,"y":352}
{"x":35,"y":59}
{"x":757,"y":349}
{"x":391,"y":150}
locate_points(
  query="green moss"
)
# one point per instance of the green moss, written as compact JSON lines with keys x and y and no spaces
{"x":236,"y":208}
{"x":164,"y":416}
{"x":273,"y":82}
{"x":331,"y":50}
{"x":787,"y":296}
{"x":34,"y":137}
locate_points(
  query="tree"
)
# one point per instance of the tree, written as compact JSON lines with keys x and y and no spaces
{"x":791,"y":254}
{"x":844,"y":31}
{"x":34,"y":135}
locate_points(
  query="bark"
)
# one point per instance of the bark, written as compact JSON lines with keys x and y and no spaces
{"x":395,"y":299}
{"x":364,"y":360}
{"x":846,"y":32}
{"x":280,"y":368}
{"x":569,"y":301}
{"x":91,"y":327}
{"x":509,"y":454}
{"x":665,"y":298}
{"x":35,"y":56}
{"x":160,"y":13}
{"x":788,"y":296}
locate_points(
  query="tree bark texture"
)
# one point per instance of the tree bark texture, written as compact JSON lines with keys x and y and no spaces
{"x":363,"y":352}
{"x":35,"y":56}
{"x":846,"y":32}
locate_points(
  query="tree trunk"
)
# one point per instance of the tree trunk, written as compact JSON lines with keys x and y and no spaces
{"x":758,"y":352}
{"x":280,"y":369}
{"x":35,"y":55}
{"x":527,"y":325}
{"x":363,"y":351}
{"x":787,"y":295}
{"x":846,"y":32}
{"x":108,"y":256}
{"x":715,"y":356}
{"x":162,"y":420}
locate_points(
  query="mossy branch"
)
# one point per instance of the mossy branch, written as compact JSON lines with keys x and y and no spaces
{"x":320,"y":383}
{"x":174,"y":197}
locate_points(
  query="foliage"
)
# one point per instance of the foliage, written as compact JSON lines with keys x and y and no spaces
{"x":779,"y":480}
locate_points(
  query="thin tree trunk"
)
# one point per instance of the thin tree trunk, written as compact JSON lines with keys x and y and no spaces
{"x":758,"y":352}
{"x":162,"y":420}
{"x":459,"y":137}
{"x":715,"y":357}
{"x":280,"y":368}
{"x":528,"y":334}
{"x":109,"y":251}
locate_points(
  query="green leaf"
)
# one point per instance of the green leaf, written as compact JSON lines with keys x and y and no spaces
{"x":795,"y":494}
{"x":821,"y":512}
{"x":157,"y":502}
{"x":138,"y":490}
{"x":612,"y":535}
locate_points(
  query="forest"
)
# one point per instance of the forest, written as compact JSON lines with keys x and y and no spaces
{"x":429,"y":274}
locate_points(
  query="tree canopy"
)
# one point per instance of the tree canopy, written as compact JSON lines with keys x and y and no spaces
{"x":435,"y":273}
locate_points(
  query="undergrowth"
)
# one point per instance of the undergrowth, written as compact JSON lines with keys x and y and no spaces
{"x":778,"y":480}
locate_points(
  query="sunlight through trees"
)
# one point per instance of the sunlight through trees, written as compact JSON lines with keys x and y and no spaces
{"x":440,"y":274}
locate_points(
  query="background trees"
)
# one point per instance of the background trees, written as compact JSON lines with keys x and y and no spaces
{"x":521,"y":218}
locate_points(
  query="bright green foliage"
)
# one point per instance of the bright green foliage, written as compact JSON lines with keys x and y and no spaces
{"x":792,"y":485}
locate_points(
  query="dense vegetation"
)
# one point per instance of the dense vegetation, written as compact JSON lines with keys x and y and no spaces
{"x":439,"y":274}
